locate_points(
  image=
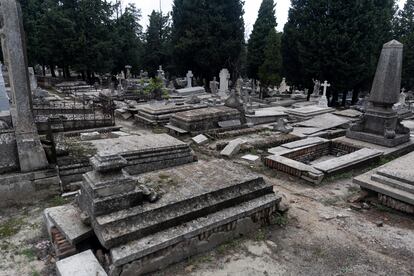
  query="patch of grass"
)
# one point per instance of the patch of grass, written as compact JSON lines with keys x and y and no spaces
{"x":281,"y":220}
{"x":57,"y":201}
{"x":342,"y":176}
{"x":260,"y":235}
{"x":382,"y":208}
{"x":159,"y":130}
{"x":195,"y":261}
{"x":163,"y":176}
{"x":231,"y":245}
{"x":29,"y":253}
{"x":11,"y":227}
{"x":331,"y":200}
{"x":79,"y":150}
{"x":35,"y":273}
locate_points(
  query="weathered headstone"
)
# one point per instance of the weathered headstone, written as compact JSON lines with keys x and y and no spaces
{"x":31,"y":154}
{"x":213,"y":86}
{"x":224,"y":80}
{"x":32,"y":77}
{"x":189,"y":77}
{"x":380,"y":124}
{"x":283,"y":88}
{"x":4,"y":98}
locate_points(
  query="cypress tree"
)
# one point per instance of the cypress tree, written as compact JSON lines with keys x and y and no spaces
{"x":405,"y":33}
{"x":269,"y":71}
{"x":336,"y":40}
{"x":207,"y":36}
{"x":265,"y":22}
{"x":157,"y":42}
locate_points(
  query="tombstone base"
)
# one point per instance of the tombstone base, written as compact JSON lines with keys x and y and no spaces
{"x":381,"y":126}
{"x":32,"y":156}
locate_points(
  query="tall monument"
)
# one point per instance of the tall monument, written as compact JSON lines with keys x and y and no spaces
{"x":380,"y":124}
{"x":31,"y":154}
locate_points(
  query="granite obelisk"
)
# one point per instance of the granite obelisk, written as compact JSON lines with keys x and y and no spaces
{"x":380,"y":124}
{"x":32,"y":156}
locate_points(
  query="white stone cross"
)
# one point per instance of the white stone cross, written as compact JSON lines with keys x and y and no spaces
{"x":190,"y":79}
{"x":325,"y":86}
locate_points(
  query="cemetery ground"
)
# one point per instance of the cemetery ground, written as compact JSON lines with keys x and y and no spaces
{"x":322,"y":233}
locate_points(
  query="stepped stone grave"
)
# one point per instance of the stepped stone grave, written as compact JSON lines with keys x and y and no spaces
{"x":394,"y":182}
{"x":266,"y":115}
{"x":196,"y":207}
{"x":147,"y":152}
{"x":203,"y":119}
{"x":380,"y":124}
{"x":160,"y":113}
{"x":313,"y":159}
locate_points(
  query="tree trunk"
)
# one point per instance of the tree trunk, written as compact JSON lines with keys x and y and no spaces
{"x":344,"y":95}
{"x":44,"y":70}
{"x":52,"y":71}
{"x":355,"y":94}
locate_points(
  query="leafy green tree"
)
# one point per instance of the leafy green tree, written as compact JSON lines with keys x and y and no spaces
{"x":207,"y":36}
{"x":157,"y":47}
{"x":269,"y":71}
{"x":336,"y":40}
{"x":404,"y":31}
{"x":265,"y":22}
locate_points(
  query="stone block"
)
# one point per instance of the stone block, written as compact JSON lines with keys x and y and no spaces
{"x":88,"y":136}
{"x":232,"y":148}
{"x":200,"y":139}
{"x":67,"y":219}
{"x":82,"y":264}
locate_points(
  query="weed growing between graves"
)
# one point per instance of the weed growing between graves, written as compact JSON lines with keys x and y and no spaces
{"x":11,"y":227}
{"x":280,"y":219}
{"x":29,"y":253}
{"x":57,"y":201}
{"x":78,"y":150}
{"x":228,"y":246}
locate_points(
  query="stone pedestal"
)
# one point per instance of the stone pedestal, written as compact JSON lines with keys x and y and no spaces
{"x":381,"y":125}
{"x":31,"y":154}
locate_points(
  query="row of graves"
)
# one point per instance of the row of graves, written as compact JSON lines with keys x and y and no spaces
{"x":145,"y":201}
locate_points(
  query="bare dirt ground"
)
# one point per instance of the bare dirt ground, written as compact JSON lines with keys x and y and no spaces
{"x":320,"y":235}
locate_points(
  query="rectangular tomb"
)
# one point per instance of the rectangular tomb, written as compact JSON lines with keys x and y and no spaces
{"x":204,"y":119}
{"x":314,"y":158}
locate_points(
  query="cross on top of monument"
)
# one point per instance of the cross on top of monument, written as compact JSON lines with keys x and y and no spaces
{"x":325,"y":86}
{"x":190,"y":74}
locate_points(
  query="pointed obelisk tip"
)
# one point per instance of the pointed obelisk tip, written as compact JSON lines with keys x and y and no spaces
{"x":393,"y":44}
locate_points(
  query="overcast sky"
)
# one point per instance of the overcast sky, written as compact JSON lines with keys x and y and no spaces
{"x":251,"y":8}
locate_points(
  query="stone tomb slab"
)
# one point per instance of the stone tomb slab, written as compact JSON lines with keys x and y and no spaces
{"x":395,"y":179}
{"x":324,"y":122}
{"x":347,"y":160}
{"x":308,"y":112}
{"x":67,"y":219}
{"x":82,"y":264}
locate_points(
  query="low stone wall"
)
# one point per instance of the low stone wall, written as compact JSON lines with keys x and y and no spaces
{"x":310,"y":153}
{"x":9,"y":161}
{"x":25,"y":188}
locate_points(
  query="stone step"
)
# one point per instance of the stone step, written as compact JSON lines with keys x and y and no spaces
{"x":226,"y":222}
{"x":121,"y":227}
{"x":366,"y":182}
{"x":160,"y":164}
{"x":393,"y":183}
{"x":348,"y":160}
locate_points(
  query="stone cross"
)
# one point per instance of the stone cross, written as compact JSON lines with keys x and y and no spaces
{"x":32,"y":156}
{"x":325,"y":86}
{"x":323,"y":101}
{"x":190,"y":79}
{"x":161,"y":73}
{"x":224,"y":80}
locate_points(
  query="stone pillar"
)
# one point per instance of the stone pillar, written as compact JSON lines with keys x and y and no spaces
{"x":380,"y":124}
{"x":31,"y":154}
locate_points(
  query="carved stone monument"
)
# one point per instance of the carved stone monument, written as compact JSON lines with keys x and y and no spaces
{"x":224,"y":81}
{"x":381,"y":125}
{"x":31,"y":154}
